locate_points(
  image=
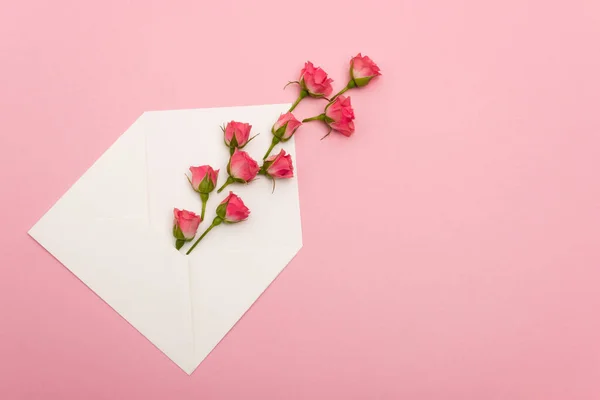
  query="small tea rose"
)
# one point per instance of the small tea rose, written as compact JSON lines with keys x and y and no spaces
{"x":185,"y":226}
{"x":362,"y":70}
{"x":242,"y":168}
{"x":204,"y":178}
{"x":315,"y":81}
{"x":285,"y":127}
{"x":279,"y":166}
{"x":237,"y":134}
{"x":232,"y":209}
{"x":340,"y":116}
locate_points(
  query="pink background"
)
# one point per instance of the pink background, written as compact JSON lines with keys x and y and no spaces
{"x":451,"y":247}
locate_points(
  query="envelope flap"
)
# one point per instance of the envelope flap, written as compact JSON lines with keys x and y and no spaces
{"x":148,"y":284}
{"x":99,"y":231}
{"x":116,"y":184}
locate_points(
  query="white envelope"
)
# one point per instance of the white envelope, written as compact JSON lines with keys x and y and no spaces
{"x":113,"y":229}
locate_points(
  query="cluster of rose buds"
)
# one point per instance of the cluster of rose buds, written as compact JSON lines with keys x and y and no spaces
{"x":242,"y":168}
{"x":338,"y":113}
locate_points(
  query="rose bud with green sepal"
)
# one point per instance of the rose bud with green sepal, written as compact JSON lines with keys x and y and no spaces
{"x":185,"y":226}
{"x":203,"y":181}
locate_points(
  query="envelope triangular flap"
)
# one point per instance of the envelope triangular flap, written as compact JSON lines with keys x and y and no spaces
{"x":100,"y":231}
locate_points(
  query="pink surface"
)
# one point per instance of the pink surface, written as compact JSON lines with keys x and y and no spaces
{"x":451,"y":247}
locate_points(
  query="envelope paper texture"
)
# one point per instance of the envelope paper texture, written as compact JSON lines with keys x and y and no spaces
{"x":113,"y":229}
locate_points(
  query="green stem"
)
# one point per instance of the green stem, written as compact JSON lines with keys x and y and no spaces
{"x":303,"y":94}
{"x":201,"y":237}
{"x":273,"y":144}
{"x":320,"y":117}
{"x":349,"y":86}
{"x":204,"y":198}
{"x":228,"y":182}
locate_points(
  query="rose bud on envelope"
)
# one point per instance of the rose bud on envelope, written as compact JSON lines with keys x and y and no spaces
{"x":231,"y":210}
{"x":362,"y":70}
{"x":283,"y":130}
{"x":185,"y":226}
{"x":241,"y":168}
{"x":339,"y":115}
{"x":285,"y":127}
{"x":204,"y":180}
{"x":278,"y":166}
{"x":237,"y":135}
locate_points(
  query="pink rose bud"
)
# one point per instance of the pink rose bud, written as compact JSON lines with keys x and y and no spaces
{"x":185,"y":225}
{"x":204,"y":178}
{"x":237,"y":134}
{"x":340,"y":115}
{"x":362,"y":70}
{"x":315,"y":81}
{"x":279,"y":166}
{"x":232,"y":209}
{"x":285,"y":127}
{"x":242,"y":168}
